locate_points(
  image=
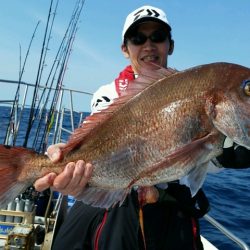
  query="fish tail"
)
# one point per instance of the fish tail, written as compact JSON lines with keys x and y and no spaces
{"x":12,"y":162}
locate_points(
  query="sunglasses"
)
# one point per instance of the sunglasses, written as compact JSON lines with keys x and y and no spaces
{"x":157,"y":36}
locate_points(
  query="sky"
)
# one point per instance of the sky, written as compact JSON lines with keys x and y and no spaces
{"x":204,"y":32}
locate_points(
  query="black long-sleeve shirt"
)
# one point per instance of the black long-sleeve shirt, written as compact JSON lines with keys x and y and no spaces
{"x":235,"y":157}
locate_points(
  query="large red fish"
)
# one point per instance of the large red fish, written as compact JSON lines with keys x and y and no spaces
{"x":157,"y":132}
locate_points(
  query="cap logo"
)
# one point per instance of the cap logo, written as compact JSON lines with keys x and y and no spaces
{"x":150,"y":12}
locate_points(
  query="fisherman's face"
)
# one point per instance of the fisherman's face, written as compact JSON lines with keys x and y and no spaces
{"x":149,"y":53}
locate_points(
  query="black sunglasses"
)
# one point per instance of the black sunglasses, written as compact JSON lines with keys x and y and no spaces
{"x":157,"y":36}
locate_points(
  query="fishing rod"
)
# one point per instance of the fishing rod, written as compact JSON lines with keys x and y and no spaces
{"x":31,"y":117}
{"x":44,"y":114}
{"x":42,"y":110}
{"x":71,"y":41}
{"x":16,"y":98}
{"x":45,"y":54}
{"x":67,"y":51}
{"x":58,"y":59}
{"x":56,"y":56}
{"x":50,"y":87}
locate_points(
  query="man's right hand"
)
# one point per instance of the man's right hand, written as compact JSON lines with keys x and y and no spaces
{"x":71,"y":181}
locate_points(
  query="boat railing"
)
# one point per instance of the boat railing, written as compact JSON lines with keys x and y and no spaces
{"x":65,"y":113}
{"x":64,"y":106}
{"x":226,"y":232}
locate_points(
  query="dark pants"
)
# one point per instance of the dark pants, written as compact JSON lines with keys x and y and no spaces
{"x":166,"y":227}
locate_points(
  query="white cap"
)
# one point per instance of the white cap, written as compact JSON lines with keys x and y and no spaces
{"x":142,"y":14}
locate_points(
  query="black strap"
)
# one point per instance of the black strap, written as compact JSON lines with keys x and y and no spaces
{"x":202,"y":203}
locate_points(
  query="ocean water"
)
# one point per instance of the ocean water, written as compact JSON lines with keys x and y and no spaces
{"x":36,"y":136}
{"x":228,"y":191}
{"x":229,"y":195}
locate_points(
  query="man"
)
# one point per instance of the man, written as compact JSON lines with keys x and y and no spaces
{"x":170,"y":215}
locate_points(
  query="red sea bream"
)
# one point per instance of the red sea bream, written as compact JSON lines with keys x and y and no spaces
{"x":159,"y":131}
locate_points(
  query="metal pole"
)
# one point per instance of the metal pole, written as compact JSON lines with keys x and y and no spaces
{"x":231,"y":236}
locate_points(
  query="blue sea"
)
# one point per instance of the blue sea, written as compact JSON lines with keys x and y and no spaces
{"x":229,"y":196}
{"x":228,"y":192}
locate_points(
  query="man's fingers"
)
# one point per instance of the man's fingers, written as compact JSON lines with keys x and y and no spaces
{"x":71,"y":181}
{"x":85,"y":178}
{"x":78,"y":179}
{"x":45,"y":182}
{"x":62,"y":180}
{"x":74,"y":185}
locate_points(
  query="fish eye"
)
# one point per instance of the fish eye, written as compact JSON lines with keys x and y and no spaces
{"x":246,"y":87}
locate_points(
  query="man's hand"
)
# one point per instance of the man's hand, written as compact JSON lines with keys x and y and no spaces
{"x":71,"y":181}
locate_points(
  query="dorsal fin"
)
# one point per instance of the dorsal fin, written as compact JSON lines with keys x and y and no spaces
{"x":92,"y":122}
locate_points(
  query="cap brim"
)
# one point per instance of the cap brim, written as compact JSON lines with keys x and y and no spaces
{"x":144,"y":20}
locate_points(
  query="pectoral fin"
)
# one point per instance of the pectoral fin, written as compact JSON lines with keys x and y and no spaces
{"x":102,"y":198}
{"x":180,"y":163}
